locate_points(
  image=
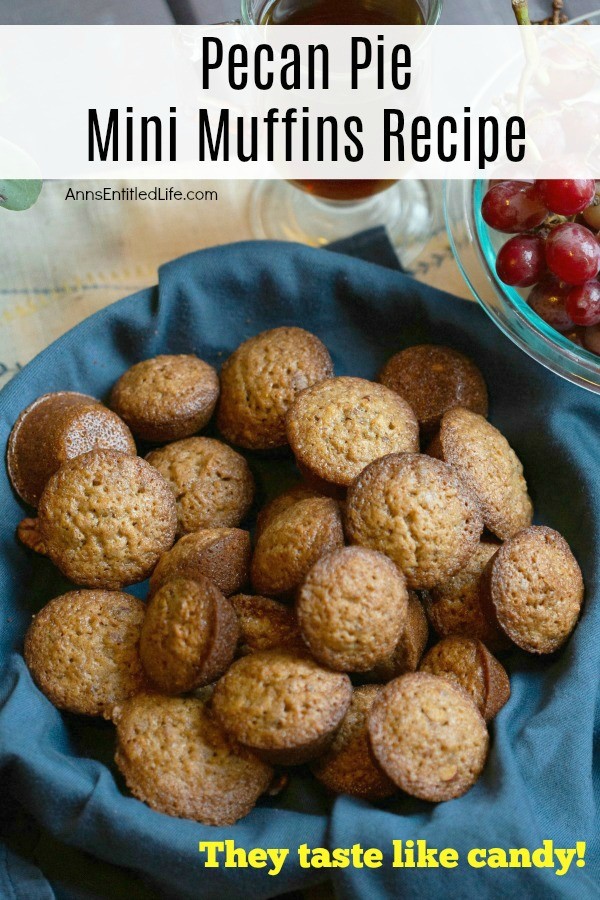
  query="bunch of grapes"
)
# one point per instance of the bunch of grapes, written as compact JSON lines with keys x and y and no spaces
{"x":555,"y":250}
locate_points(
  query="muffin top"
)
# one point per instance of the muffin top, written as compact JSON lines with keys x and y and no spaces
{"x":105,"y":518}
{"x":339,"y":426}
{"x":265,"y":624}
{"x":535,"y":587}
{"x":221,"y":554}
{"x":348,"y":766}
{"x":167,"y":397}
{"x":434,"y":379}
{"x":456,"y":605}
{"x":417,"y":511}
{"x":213,"y":485}
{"x":177,"y":759}
{"x":293,"y":542}
{"x":407,"y":653}
{"x":281,"y":503}
{"x":428,"y":736}
{"x":260,"y":380}
{"x":280,"y":700}
{"x":487,"y":463}
{"x":468,"y":663}
{"x":82,"y":650}
{"x":55,"y":428}
{"x":352,"y":608}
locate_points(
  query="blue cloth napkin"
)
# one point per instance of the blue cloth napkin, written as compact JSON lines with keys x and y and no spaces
{"x":541,"y":779}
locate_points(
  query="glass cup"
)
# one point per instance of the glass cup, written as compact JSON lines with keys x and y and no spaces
{"x":318,"y":212}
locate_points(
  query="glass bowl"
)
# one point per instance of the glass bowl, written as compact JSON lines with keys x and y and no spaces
{"x":475,"y":246}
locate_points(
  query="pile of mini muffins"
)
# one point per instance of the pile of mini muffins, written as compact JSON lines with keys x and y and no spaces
{"x":309,"y":647}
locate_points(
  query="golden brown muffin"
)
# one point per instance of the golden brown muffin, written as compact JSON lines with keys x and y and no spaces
{"x":489,"y":466}
{"x":456,"y":605}
{"x":428,"y":736}
{"x":410,"y":648}
{"x":534,"y":587}
{"x":282,"y":705}
{"x":434,"y":379}
{"x":282,"y":503}
{"x":55,"y":428}
{"x":468,"y":663}
{"x":352,"y":608}
{"x":176,"y":758}
{"x":105,"y":518}
{"x":292,"y":543}
{"x":221,"y":554}
{"x":339,"y":426}
{"x":189,"y":636}
{"x":166,"y":398}
{"x":348,"y":766}
{"x":265,"y":624}
{"x":213,"y":485}
{"x":417,"y":511}
{"x":82,"y":650}
{"x":260,"y":380}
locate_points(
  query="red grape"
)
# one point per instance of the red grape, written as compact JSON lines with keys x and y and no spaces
{"x":512,"y":206}
{"x":583,"y":303}
{"x":547,"y":299}
{"x":521,"y":261}
{"x":566,"y":197}
{"x":573,"y":253}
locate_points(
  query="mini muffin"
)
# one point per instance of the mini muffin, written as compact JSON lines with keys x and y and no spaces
{"x":352,"y":608}
{"x":221,"y":554}
{"x":82,"y":650}
{"x":55,"y":428}
{"x":417,"y":511}
{"x":348,"y":766}
{"x":176,"y":758}
{"x":166,"y":398}
{"x":434,"y":379}
{"x":468,"y":663}
{"x":260,"y":380}
{"x":339,"y":426}
{"x":189,"y":635}
{"x":535,"y":588}
{"x":428,"y":736}
{"x":292,"y":544}
{"x":456,"y":605}
{"x":105,"y":518}
{"x":489,"y":466}
{"x":407,"y":654}
{"x":265,"y":624}
{"x":212,"y":483}
{"x":282,"y":705}
{"x":282,"y":503}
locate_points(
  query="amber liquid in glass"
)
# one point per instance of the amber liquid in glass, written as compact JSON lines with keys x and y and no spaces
{"x":344,"y":12}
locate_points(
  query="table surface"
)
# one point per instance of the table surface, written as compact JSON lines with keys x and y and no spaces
{"x":63,"y":260}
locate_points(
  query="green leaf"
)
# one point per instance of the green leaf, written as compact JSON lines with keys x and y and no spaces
{"x":19,"y":195}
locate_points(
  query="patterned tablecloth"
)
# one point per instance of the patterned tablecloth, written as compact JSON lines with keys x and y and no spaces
{"x":64,"y":259}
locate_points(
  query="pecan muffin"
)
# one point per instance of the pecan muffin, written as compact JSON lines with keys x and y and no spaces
{"x":82,"y":650}
{"x":281,"y":503}
{"x":221,"y":554}
{"x":416,"y":510}
{"x":407,"y":653}
{"x":105,"y":518}
{"x":260,"y":380}
{"x":352,"y":608}
{"x":287,"y":549}
{"x":348,"y":766}
{"x":55,"y":428}
{"x":189,"y":636}
{"x":265,"y":624}
{"x":176,"y":758}
{"x":434,"y":379}
{"x":166,"y":398}
{"x":213,"y":485}
{"x":282,"y":705}
{"x":339,"y":426}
